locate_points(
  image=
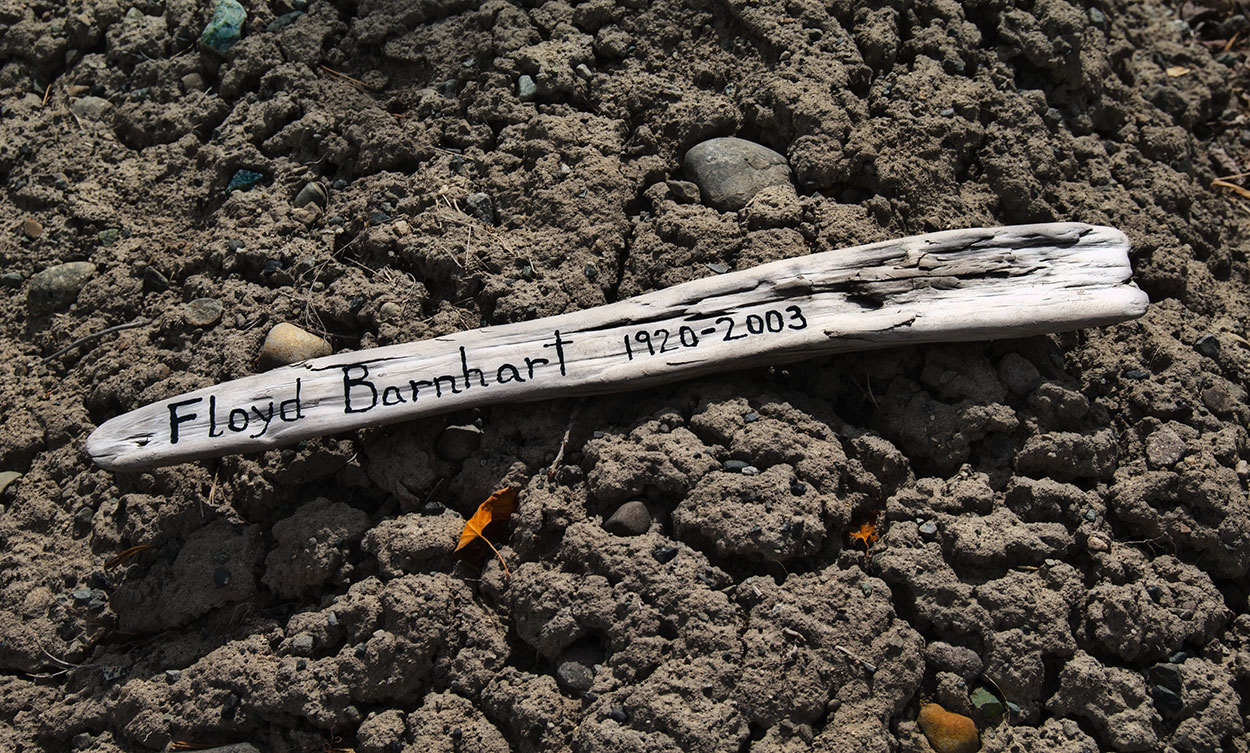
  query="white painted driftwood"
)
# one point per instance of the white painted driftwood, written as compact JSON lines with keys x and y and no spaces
{"x":958,"y":285}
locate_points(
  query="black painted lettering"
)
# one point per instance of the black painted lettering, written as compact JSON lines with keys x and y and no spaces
{"x":175,"y":419}
{"x":438,"y":389}
{"x":360,"y":381}
{"x":530,"y":363}
{"x":298,"y":408}
{"x":416,"y":385}
{"x":266,"y":417}
{"x":464,"y":366}
{"x":237,"y":413}
{"x":559,"y":344}
{"x":508,"y":373}
{"x":213,"y":431}
{"x":391,"y":396}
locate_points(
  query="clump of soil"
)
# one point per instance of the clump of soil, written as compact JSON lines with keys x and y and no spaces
{"x":1063,"y":521}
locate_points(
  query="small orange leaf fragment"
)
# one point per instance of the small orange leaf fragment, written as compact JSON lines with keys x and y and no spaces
{"x":867,"y":532}
{"x":497,"y":508}
{"x":948,"y":732}
{"x":1177,"y":71}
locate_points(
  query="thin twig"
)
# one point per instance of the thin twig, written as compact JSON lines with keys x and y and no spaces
{"x":868,"y":666}
{"x":564,"y":443}
{"x":356,"y":82}
{"x":1242,"y":192}
{"x":46,"y":92}
{"x":90,"y":337}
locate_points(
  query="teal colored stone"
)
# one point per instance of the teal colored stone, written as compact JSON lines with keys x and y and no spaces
{"x":226,"y":26}
{"x":109,"y":237}
{"x":243,"y":180}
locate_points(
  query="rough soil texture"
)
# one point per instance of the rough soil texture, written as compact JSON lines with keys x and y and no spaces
{"x":1064,"y":520}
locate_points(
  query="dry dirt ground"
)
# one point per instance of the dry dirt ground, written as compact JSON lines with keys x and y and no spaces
{"x":1063,"y":520}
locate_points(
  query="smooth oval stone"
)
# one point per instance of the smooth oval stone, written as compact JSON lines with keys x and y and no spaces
{"x":630,"y":519}
{"x":312,"y":193}
{"x":202,"y":312}
{"x":57,"y":287}
{"x":91,"y":108}
{"x":286,"y":344}
{"x":730,"y":171}
{"x":32,"y":228}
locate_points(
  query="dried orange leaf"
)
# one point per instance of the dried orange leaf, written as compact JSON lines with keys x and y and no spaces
{"x":1177,"y":71}
{"x":867,"y":532}
{"x":497,"y":508}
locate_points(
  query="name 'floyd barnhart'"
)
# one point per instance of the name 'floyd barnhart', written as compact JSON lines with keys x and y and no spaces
{"x":361,"y":393}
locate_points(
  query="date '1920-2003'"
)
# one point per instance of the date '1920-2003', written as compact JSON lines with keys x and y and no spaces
{"x":661,"y":340}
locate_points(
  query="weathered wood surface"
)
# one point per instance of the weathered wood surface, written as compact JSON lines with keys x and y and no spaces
{"x":958,"y":285}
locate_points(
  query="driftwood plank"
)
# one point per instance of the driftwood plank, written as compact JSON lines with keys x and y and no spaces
{"x":958,"y":285}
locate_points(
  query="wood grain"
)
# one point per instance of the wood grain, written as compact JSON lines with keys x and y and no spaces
{"x":958,"y":285}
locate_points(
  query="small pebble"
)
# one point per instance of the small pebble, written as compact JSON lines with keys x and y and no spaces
{"x":302,"y":644}
{"x":287,"y":344}
{"x":630,"y":519}
{"x":91,"y":108}
{"x":1164,"y":448}
{"x":986,"y":703}
{"x":617,"y":713}
{"x":283,"y":21}
{"x":684,"y":191}
{"x":172,"y":675}
{"x":480,"y":206}
{"x":730,"y":171}
{"x":574,"y":677}
{"x":193,"y":82}
{"x":928,"y":528}
{"x":526,"y":89}
{"x":734,"y":466}
{"x":750,"y":470}
{"x":583,"y":72}
{"x":1166,"y":700}
{"x":798,"y":488}
{"x":1208,"y":346}
{"x":718,"y":268}
{"x":154,"y":281}
{"x":32,"y":228}
{"x":11,"y":279}
{"x":457,"y":443}
{"x":751,"y":418}
{"x":948,"y":732}
{"x":202,"y":312}
{"x":57,"y":287}
{"x":312,"y":193}
{"x":1136,"y":374}
{"x":664,"y":554}
{"x":109,"y":236}
{"x":390,"y":310}
{"x":1096,"y":544}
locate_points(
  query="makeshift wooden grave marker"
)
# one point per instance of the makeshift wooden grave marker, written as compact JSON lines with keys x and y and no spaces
{"x":958,"y":285}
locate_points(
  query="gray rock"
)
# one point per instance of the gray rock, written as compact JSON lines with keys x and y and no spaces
{"x":286,"y":344}
{"x":91,"y":108}
{"x":526,"y":89}
{"x":1018,"y":373}
{"x":302,"y":644}
{"x":928,"y":528}
{"x":684,"y":192}
{"x":583,"y":72}
{"x":1208,"y":346}
{"x":734,"y":466}
{"x":202,"y":312}
{"x":575,"y":677}
{"x":457,"y":443}
{"x":1164,"y":448}
{"x":57,"y":287}
{"x":193,"y":82}
{"x":730,"y":171}
{"x":630,"y":519}
{"x":389,"y":310}
{"x":11,"y":279}
{"x":481,"y":207}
